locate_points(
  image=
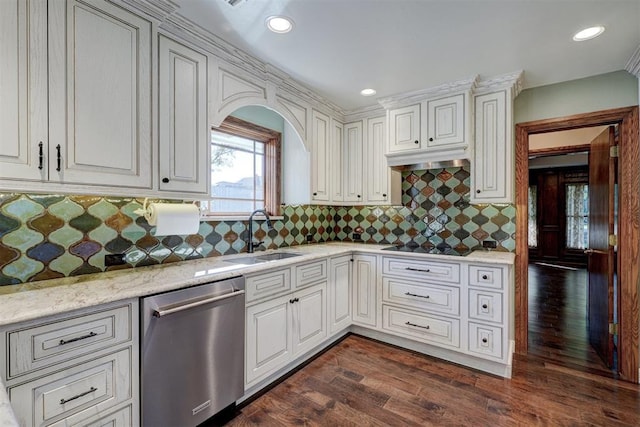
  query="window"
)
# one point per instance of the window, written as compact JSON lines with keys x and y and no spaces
{"x":533,"y":225}
{"x":245,"y":169}
{"x":577,"y":216}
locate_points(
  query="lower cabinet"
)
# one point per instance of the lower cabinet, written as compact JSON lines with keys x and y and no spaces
{"x":364,"y":285}
{"x":80,"y":368}
{"x":281,"y":329}
{"x":340,"y":293}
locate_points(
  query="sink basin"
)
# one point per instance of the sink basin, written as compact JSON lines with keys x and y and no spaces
{"x":257,"y":259}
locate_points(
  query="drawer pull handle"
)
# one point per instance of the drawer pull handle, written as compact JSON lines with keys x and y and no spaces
{"x":485,"y":277}
{"x":58,"y":158}
{"x":484,"y":340}
{"x":416,"y":295}
{"x":84,"y":337}
{"x":418,"y":269}
{"x":417,"y":326}
{"x":485,"y":306}
{"x":294,"y":300}
{"x":78,"y":396}
{"x":40,"y":156}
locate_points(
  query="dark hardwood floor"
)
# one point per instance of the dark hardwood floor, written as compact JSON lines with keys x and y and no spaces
{"x":361,"y":382}
{"x":558,"y":329}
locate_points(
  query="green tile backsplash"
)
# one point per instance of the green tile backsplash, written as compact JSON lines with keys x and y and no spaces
{"x":50,"y":236}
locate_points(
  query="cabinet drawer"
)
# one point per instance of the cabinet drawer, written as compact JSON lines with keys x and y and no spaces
{"x":444,"y":299}
{"x":267,"y":284}
{"x":308,"y":274}
{"x":488,"y":277}
{"x":485,"y":340}
{"x":434,"y":271}
{"x":485,"y":305}
{"x":75,"y":394}
{"x":119,"y":418}
{"x":43,"y":345}
{"x":426,"y":328}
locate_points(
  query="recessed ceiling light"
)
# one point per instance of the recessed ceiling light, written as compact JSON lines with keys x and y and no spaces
{"x":368,"y":92}
{"x":279,"y":24}
{"x":588,"y":33}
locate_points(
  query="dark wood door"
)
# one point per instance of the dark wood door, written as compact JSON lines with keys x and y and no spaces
{"x":600,"y":253}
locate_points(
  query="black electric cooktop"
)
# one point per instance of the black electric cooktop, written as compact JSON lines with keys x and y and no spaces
{"x":428,"y":249}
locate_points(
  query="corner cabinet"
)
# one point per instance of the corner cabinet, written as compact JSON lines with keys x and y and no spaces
{"x":183,"y":132}
{"x":492,"y":168}
{"x":353,"y":162}
{"x":365,"y":290}
{"x":320,"y":158}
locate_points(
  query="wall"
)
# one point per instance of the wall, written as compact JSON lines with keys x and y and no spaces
{"x":261,"y":116}
{"x":50,"y":236}
{"x":603,"y":92}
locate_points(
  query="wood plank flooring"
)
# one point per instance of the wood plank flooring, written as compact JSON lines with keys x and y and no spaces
{"x":558,"y":329}
{"x":361,"y":382}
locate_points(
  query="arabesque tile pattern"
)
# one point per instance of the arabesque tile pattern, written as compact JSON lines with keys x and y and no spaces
{"x":50,"y":236}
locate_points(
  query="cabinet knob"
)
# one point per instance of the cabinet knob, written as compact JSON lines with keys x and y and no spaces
{"x":478,"y":191}
{"x":431,"y":139}
{"x":485,"y":306}
{"x":485,"y":277}
{"x":384,"y":195}
{"x":484,"y":340}
{"x":165,"y":180}
{"x":416,"y":142}
{"x":315,"y":194}
{"x":359,"y":196}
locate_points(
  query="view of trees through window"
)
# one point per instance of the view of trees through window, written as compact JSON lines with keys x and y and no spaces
{"x":577,"y":216}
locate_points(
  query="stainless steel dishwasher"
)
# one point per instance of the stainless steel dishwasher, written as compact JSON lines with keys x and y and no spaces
{"x":192,"y":353}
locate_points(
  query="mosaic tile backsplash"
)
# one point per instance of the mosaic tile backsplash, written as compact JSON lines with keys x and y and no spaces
{"x":51,"y":236}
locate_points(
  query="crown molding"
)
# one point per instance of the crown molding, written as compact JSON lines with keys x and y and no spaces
{"x":408,"y":98}
{"x":504,"y":81}
{"x":156,"y":9}
{"x":633,"y":65}
{"x":368,"y":112}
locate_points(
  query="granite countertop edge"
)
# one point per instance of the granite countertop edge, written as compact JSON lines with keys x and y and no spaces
{"x":34,"y":300}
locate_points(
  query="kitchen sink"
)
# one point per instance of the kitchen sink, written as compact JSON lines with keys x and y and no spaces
{"x":257,"y":259}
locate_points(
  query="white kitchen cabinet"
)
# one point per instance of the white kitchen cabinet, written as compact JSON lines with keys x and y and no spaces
{"x":383,"y":184}
{"x":444,"y":124}
{"x":321,"y":167}
{"x":337,"y":159}
{"x":492,"y":168}
{"x":23,"y":90}
{"x":183,"y":133}
{"x":404,"y":129}
{"x":280,"y":329}
{"x":339,"y":293}
{"x":353,"y":162}
{"x":364,"y":290}
{"x":74,"y":369}
{"x":99,"y":95}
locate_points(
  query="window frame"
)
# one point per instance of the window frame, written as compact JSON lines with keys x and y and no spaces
{"x":272,"y":141}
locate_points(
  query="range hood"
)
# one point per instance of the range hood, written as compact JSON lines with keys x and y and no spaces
{"x":428,"y":160}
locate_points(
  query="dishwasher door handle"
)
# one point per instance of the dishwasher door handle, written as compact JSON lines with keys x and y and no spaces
{"x":160,"y":312}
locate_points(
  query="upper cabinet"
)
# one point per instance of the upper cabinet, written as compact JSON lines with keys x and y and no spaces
{"x":353,"y":162}
{"x":77,"y":104}
{"x":382,"y":184}
{"x":404,"y":129}
{"x":446,"y":124}
{"x":99,"y":95}
{"x":337,"y":161}
{"x":320,"y":157}
{"x":182,"y":110}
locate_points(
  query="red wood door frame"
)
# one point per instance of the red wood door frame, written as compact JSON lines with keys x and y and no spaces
{"x":629,"y":226}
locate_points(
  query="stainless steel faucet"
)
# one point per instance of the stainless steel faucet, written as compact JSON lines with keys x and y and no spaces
{"x":251,"y":245}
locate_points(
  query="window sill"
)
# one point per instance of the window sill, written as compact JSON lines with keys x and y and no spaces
{"x":238,"y":217}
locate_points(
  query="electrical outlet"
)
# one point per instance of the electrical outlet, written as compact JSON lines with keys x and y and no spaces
{"x":114,"y":259}
{"x":489,"y":244}
{"x":356,"y":236}
{"x":309,"y":237}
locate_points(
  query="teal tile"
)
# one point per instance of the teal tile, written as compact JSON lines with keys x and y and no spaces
{"x":66,"y":209}
{"x":66,"y":264}
{"x":22,"y":239}
{"x":23,"y":268}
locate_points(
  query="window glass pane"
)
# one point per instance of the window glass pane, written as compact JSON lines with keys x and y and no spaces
{"x":533,"y":227}
{"x":577,"y":216}
{"x":232,"y":141}
{"x":231,"y":206}
{"x":235,"y":179}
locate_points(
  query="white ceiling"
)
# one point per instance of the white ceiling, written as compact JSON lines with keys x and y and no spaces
{"x":339,"y":47}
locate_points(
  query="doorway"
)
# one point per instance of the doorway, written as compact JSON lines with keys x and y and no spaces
{"x":628,"y":267}
{"x":562,"y":314}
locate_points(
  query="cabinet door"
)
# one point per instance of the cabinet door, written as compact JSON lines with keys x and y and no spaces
{"x":377,"y":169}
{"x":309,"y":318}
{"x":183,"y":131}
{"x":364,"y":288}
{"x":99,"y":94}
{"x":404,"y":128}
{"x":320,"y":158}
{"x":492,"y":177}
{"x":337,"y":168}
{"x":353,"y":162}
{"x":268,"y":339}
{"x":339,"y":293}
{"x":23,"y":89}
{"x":445,"y":123}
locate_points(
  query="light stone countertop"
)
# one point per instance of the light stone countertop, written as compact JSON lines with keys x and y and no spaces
{"x":39,"y":299}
